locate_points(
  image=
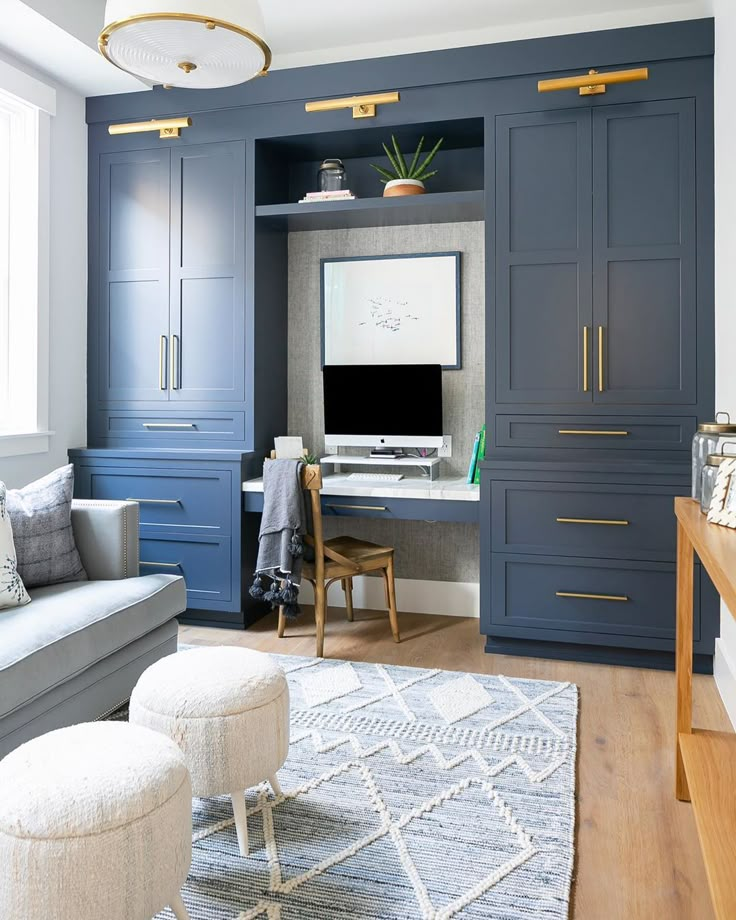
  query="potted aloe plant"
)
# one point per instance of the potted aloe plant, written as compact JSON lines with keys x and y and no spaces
{"x":407,"y":180}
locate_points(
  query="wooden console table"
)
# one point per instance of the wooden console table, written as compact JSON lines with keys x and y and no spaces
{"x":705,"y":769}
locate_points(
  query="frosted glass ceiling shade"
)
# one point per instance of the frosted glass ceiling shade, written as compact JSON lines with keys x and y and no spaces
{"x":199,"y":44}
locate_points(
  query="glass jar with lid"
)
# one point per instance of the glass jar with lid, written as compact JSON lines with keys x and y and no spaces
{"x":710,"y":473}
{"x":332,"y":177}
{"x":706,"y":441}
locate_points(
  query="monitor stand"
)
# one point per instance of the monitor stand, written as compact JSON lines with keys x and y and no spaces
{"x":387,"y":453}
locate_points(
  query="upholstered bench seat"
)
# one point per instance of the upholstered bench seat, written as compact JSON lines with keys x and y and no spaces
{"x":68,"y":627}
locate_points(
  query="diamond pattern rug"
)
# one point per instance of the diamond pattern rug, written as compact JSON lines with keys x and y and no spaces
{"x":408,"y":793}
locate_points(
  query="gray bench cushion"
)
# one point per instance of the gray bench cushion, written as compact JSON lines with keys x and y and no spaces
{"x":67,"y":628}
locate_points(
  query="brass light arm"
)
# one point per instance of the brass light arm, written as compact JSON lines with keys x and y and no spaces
{"x":362,"y":106}
{"x":593,"y":83}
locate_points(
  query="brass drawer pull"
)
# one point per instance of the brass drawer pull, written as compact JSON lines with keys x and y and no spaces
{"x":169,"y":425}
{"x":155,"y":501}
{"x":161,"y":565}
{"x":592,"y":521}
{"x":593,"y":597}
{"x":610,"y":434}
{"x":360,"y":507}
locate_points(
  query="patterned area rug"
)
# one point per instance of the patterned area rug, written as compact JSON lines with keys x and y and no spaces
{"x":408,"y":793}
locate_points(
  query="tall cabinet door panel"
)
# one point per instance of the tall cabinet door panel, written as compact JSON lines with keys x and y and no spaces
{"x":134,"y":276}
{"x":644,"y":253}
{"x":207,"y":273}
{"x":543,"y":264}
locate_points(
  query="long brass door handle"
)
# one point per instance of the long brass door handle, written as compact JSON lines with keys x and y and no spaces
{"x":601,"y":368}
{"x":564,"y":520}
{"x":162,"y":362}
{"x":174,"y":362}
{"x":586,"y":358}
{"x":592,"y":597}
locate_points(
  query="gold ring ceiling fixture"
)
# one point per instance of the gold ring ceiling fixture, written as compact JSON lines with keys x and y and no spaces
{"x":204,"y":44}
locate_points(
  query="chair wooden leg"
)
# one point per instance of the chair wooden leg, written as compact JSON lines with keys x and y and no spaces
{"x":275,"y":785}
{"x":282,"y":622}
{"x":320,"y":609}
{"x":393,"y":614}
{"x":347,"y":587}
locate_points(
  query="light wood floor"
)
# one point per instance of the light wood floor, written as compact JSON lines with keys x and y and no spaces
{"x":637,"y":849}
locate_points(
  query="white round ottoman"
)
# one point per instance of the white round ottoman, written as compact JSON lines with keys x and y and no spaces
{"x":95,"y":821}
{"x":228,"y":710}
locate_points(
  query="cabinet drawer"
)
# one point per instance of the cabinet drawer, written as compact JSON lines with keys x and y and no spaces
{"x":192,"y":499}
{"x":205,"y":563}
{"x":610,"y":433}
{"x":168,"y":428}
{"x":578,"y":600}
{"x":582,"y":519}
{"x":408,"y":509}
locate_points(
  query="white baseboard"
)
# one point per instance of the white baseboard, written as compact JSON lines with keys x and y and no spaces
{"x":724,"y":673}
{"x":443,"y":598}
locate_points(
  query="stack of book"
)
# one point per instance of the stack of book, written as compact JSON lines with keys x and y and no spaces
{"x":341,"y":195}
{"x":479,"y":453}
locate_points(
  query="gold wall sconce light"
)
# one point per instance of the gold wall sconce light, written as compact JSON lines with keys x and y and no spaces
{"x":166,"y":127}
{"x":362,"y":106}
{"x":593,"y":83}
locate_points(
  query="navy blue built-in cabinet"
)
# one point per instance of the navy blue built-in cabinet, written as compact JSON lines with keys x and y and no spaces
{"x":598,"y":214}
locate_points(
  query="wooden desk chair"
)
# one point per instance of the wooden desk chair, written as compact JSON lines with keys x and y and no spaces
{"x":340,"y":559}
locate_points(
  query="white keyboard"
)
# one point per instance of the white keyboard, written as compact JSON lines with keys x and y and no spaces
{"x":375,"y":477}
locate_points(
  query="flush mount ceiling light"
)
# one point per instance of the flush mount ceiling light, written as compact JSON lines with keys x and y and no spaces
{"x":199,"y":44}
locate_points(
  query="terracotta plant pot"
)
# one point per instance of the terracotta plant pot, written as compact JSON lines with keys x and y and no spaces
{"x":403,"y":187}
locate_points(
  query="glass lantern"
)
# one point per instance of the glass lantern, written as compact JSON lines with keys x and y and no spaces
{"x":332,"y":177}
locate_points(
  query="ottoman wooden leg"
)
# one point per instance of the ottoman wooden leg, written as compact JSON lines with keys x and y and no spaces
{"x":177,"y":905}
{"x":241,"y":820}
{"x":273,"y":780}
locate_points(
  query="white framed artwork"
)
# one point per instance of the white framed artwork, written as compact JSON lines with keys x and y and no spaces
{"x":398,"y":309}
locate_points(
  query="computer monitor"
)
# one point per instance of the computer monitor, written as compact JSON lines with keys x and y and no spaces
{"x":383,"y":405}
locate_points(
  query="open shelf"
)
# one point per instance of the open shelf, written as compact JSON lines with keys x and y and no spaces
{"x":431,"y":208}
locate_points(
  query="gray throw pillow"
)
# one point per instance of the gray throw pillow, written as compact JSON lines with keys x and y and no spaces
{"x":41,"y":516}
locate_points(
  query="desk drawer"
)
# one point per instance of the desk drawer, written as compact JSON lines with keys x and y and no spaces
{"x":205,"y":563}
{"x":596,"y":433}
{"x":407,"y":509}
{"x":573,"y":600}
{"x":192,"y":499}
{"x":581,"y":519}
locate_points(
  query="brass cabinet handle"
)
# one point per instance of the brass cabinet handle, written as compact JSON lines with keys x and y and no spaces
{"x":162,"y":362}
{"x":586,"y":359}
{"x":601,"y":370}
{"x":593,"y":597}
{"x":359,"y":507}
{"x":174,"y":362}
{"x":161,"y":565}
{"x":169,"y":425}
{"x":564,"y":520}
{"x":155,"y":501}
{"x":586,"y":431}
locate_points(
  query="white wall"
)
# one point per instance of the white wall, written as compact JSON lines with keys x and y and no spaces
{"x":725,"y":12}
{"x":68,"y":287}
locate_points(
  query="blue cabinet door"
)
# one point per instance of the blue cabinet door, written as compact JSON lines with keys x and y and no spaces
{"x":543,"y":257}
{"x":644,"y":253}
{"x":207,"y":273}
{"x":133,"y":269}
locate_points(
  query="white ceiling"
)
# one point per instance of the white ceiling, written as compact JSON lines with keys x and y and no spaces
{"x":59,"y":36}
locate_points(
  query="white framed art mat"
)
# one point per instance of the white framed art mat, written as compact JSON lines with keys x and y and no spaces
{"x":396,"y":309}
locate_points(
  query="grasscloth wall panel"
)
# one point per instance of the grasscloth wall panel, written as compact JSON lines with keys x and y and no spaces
{"x":439,"y":552}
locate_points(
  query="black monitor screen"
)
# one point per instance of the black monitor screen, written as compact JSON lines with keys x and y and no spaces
{"x":383,"y":399}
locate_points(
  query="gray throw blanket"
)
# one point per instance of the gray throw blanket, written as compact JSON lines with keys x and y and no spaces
{"x":280,"y":547}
